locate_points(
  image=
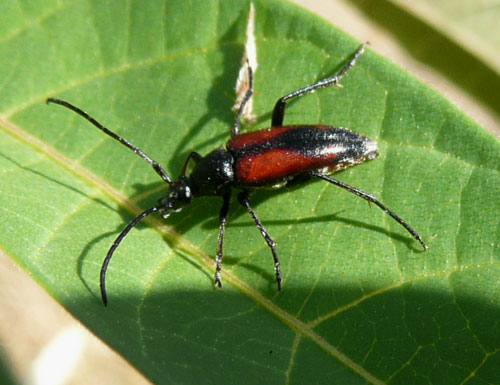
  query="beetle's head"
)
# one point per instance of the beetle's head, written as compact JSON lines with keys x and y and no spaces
{"x":179,"y":195}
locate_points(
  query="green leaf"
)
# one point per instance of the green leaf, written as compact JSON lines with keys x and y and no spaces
{"x":6,"y":376}
{"x":361,"y":302}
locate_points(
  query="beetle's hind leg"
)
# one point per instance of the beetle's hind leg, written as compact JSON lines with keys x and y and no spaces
{"x":279,"y":107}
{"x":243,"y":199}
{"x":370,"y":198}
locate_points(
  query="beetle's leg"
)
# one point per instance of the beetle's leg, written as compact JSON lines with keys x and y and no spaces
{"x":220,"y":252}
{"x":194,"y":156}
{"x":279,"y":107}
{"x":156,"y":166}
{"x":371,"y":198}
{"x":237,"y":122}
{"x":243,"y":199}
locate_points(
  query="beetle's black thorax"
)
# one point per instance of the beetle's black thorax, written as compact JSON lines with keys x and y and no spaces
{"x":213,"y":174}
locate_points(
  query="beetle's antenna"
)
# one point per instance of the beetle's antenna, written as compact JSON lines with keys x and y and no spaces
{"x":371,"y":198}
{"x":113,"y":247}
{"x":156,"y":166}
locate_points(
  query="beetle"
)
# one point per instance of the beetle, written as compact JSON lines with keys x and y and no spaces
{"x":274,"y":157}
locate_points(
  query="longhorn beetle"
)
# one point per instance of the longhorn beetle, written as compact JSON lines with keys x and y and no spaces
{"x":272,"y":157}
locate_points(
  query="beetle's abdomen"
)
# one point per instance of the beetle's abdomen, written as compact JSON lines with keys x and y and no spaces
{"x":269,"y":156}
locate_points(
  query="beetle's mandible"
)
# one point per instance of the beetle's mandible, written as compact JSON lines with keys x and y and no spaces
{"x":273,"y":157}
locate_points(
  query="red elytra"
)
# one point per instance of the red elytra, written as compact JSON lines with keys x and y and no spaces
{"x":275,"y":155}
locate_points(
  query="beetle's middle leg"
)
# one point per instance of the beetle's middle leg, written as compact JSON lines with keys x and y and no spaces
{"x":220,"y":242}
{"x":243,"y":199}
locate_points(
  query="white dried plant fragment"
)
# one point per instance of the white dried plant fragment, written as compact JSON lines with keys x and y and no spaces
{"x":249,"y":59}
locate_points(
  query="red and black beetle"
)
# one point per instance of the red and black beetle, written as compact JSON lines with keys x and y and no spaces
{"x":272,"y":157}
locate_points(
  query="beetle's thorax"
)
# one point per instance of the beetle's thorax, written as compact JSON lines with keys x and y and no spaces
{"x":212,"y":174}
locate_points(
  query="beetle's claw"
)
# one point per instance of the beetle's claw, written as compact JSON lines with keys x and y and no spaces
{"x":217,"y":281}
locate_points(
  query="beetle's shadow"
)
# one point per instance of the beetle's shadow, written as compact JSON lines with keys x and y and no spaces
{"x":207,"y":214}
{"x":84,"y":253}
{"x":205,"y":210}
{"x":220,"y":98}
{"x":100,"y":202}
{"x":56,"y":181}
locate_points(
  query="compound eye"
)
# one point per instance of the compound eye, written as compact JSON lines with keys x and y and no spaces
{"x":181,"y":196}
{"x":187,"y":193}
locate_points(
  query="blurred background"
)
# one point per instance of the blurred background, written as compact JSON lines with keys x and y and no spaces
{"x":451,"y":45}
